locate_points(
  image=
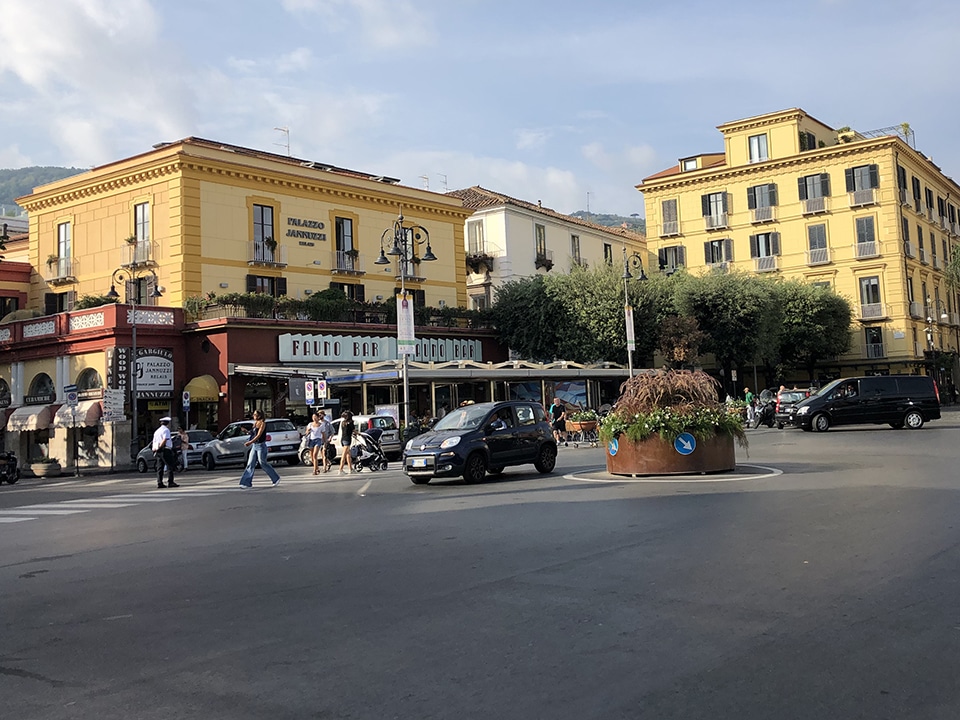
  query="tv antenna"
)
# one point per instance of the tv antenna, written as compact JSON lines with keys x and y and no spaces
{"x":286,"y":143}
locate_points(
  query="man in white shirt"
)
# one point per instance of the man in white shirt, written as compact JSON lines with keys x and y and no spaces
{"x":163,"y":451}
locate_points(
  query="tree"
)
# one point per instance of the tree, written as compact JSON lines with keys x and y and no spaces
{"x":816,"y":325}
{"x":680,"y":340}
{"x":533,"y":323}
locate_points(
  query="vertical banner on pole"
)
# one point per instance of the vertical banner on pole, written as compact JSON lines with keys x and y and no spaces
{"x":628,"y":316}
{"x":406,"y":341}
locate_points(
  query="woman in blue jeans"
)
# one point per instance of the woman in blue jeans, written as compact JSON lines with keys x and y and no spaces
{"x":258,"y":441}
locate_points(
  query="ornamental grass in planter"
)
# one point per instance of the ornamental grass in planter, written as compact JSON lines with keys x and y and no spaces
{"x":654,"y":409}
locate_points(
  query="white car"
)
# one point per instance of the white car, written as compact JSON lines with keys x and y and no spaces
{"x":228,"y":447}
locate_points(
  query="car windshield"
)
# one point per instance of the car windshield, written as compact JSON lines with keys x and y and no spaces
{"x":197,"y":436}
{"x":828,"y":388}
{"x":465,"y":418}
{"x":792,"y":396}
{"x":280,"y":426}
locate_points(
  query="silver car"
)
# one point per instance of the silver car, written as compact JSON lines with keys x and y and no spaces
{"x":198,"y":440}
{"x":228,"y":447}
{"x":389,"y":437}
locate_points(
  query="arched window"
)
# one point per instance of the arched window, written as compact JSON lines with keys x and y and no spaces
{"x":89,"y":379}
{"x":41,"y":390}
{"x":4,"y":394}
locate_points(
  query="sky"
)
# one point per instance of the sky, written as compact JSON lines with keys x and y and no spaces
{"x":568,"y":103}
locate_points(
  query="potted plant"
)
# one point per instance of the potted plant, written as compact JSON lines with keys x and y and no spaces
{"x":582,"y":420}
{"x":671,"y":422}
{"x":352,"y":252}
{"x":52,"y":260}
{"x":270,"y":243}
{"x":132,"y":240}
{"x":46,"y":467}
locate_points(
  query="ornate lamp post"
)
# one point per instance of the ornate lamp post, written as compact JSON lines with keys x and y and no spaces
{"x":403,"y":241}
{"x":134,"y":275}
{"x":633,"y":260}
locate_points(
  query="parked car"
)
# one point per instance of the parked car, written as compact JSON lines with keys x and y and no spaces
{"x":474,"y":440}
{"x":389,"y":436}
{"x":228,"y":447}
{"x":786,"y":401}
{"x":198,"y":441}
{"x":898,"y":400}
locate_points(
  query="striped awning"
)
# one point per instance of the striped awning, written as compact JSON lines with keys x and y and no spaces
{"x":29,"y":418}
{"x":87,"y":413}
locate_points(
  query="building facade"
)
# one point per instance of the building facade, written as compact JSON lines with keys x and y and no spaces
{"x":507,"y":239}
{"x":865,"y":213}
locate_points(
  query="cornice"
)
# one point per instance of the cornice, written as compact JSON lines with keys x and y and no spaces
{"x":81,"y":191}
{"x":763,"y":121}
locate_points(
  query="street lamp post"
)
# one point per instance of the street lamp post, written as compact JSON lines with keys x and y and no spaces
{"x":403,"y":241}
{"x":633,"y":260}
{"x":125,"y":275}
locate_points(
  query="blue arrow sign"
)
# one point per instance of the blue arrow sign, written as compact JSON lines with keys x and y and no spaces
{"x":613,"y":446}
{"x":685,"y":443}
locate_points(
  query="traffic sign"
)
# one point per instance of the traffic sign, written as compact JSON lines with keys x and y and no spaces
{"x":685,"y":443}
{"x":72,"y":397}
{"x":321,"y":389}
{"x":613,"y":447}
{"x":186,"y":401}
{"x":308,"y":391}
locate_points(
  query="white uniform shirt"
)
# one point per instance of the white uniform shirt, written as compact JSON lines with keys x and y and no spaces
{"x":162,"y":438}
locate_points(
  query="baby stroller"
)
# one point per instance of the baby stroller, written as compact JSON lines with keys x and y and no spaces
{"x":367,"y":453}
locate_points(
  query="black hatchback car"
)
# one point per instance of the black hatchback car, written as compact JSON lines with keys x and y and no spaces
{"x":474,"y":440}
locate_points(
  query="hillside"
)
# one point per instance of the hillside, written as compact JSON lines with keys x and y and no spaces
{"x":22,"y":181}
{"x":632,"y":223}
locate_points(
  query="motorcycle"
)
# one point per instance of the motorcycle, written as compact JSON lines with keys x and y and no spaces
{"x":9,"y":469}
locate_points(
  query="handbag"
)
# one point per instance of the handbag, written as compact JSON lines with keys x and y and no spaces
{"x":331,"y":451}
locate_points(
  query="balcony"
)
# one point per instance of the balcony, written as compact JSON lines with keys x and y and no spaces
{"x":670,"y":228}
{"x":873,"y":311}
{"x":869,"y":249}
{"x":61,"y":271}
{"x":937,"y":265}
{"x":859,"y":198}
{"x":818,"y":256}
{"x":923,"y":256}
{"x":909,"y":250}
{"x":815,"y":206}
{"x":142,"y":253}
{"x":715,"y":222}
{"x":918,"y":205}
{"x":929,"y":212}
{"x":543,"y":259}
{"x":766,"y":264}
{"x":916,"y":309}
{"x":764,"y":214}
{"x":269,"y":254}
{"x":479,"y":262}
{"x":347,"y":262}
{"x":952,"y":227}
{"x":944,"y":223}
{"x":904,"y":197}
{"x":873,"y":350}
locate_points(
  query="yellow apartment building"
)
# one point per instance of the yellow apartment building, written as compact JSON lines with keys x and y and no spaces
{"x":863,"y":212}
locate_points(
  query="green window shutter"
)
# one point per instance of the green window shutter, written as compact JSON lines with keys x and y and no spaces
{"x":825,"y":184}
{"x":251,"y":283}
{"x":775,"y":243}
{"x":751,"y":198}
{"x":706,"y":253}
{"x":772,"y":191}
{"x":728,"y":250}
{"x":705,"y":204}
{"x":281,"y":287}
{"x":848,"y":176}
{"x":754,"y":250}
{"x":802,"y":188}
{"x":874,"y":176}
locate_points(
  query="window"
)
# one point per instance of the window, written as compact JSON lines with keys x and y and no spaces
{"x":718,"y":251}
{"x":141,"y":222}
{"x":419,"y":296}
{"x":865,"y":230}
{"x":669,"y":217}
{"x":764,"y":245}
{"x":262,"y":223}
{"x":671,"y":258}
{"x":808,"y":141}
{"x":475,"y":245}
{"x":817,"y":244}
{"x":916,"y":192}
{"x":714,"y":207}
{"x":933,"y":247}
{"x":480,"y":302}
{"x":923,"y":252}
{"x":689,"y":164}
{"x":758,"y":148}
{"x":905,"y":229}
{"x":352,"y":291}
{"x":761,"y":199}
{"x":910,"y":294}
{"x":901,"y":178}
{"x":267,"y":285}
{"x":928,"y":195}
{"x":63,"y":241}
{"x":58,"y":302}
{"x":575,"y":247}
{"x":870,"y":290}
{"x":344,"y":228}
{"x":874,"y":340}
{"x":814,"y":186}
{"x":8,"y":305}
{"x":608,"y":253}
{"x":825,"y":284}
{"x":862,"y":177}
{"x":540,"y":233}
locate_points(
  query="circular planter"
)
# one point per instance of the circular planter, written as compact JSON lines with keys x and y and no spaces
{"x":46,"y":469}
{"x":655,"y":456}
{"x":581,"y":425}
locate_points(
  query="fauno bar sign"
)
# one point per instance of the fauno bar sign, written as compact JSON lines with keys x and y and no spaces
{"x":365,"y":348}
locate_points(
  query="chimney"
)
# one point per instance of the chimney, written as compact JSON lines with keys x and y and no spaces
{"x":539,"y":204}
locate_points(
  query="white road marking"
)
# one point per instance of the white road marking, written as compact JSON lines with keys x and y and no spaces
{"x":41,"y":510}
{"x":363,"y":491}
{"x":712,"y":478}
{"x":94,"y":504}
{"x":15,"y":519}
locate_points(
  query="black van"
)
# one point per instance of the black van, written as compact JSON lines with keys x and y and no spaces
{"x":899,"y":400}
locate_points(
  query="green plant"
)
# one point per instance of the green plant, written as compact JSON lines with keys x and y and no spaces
{"x":132,"y":240}
{"x":90,"y":301}
{"x":256,"y":305}
{"x":53,"y":259}
{"x":353,"y":252}
{"x":670,"y":402}
{"x":47,"y":461}
{"x":583,"y":416}
{"x":270,"y":243}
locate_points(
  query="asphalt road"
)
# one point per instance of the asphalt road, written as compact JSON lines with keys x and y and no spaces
{"x":829,"y":590}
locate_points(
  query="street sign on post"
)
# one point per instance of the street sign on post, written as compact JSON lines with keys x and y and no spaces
{"x":321,"y":389}
{"x":71,"y":395}
{"x":308,"y":392}
{"x":186,"y":401}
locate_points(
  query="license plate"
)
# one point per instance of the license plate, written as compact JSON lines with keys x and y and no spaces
{"x":418,"y":462}
{"x":286,"y":447}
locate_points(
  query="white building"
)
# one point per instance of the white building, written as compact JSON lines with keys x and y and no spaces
{"x":507,"y":239}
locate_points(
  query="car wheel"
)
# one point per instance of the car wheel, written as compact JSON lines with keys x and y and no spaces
{"x":475,"y":468}
{"x":495,"y":470}
{"x":419,"y":480}
{"x":305,"y":457}
{"x":141,"y":465}
{"x":293,"y":460}
{"x":913,"y":420}
{"x":208,"y":462}
{"x":779,"y":426}
{"x":820,"y":423}
{"x":546,"y":459}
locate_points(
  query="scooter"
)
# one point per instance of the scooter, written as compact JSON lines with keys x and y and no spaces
{"x":765,"y":414}
{"x":9,"y":470}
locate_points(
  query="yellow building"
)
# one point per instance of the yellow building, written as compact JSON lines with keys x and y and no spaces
{"x":865,"y":213}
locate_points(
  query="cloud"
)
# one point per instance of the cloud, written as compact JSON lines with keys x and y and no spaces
{"x":384,"y":24}
{"x":11,"y":157}
{"x":531,"y":139}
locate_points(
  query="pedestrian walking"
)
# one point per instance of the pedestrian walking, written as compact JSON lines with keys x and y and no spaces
{"x":327,"y":451}
{"x":558,"y":413}
{"x":163,"y":452}
{"x":751,"y":405}
{"x":184,"y":445}
{"x":347,"y":430}
{"x":315,"y":442}
{"x":258,"y":453}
